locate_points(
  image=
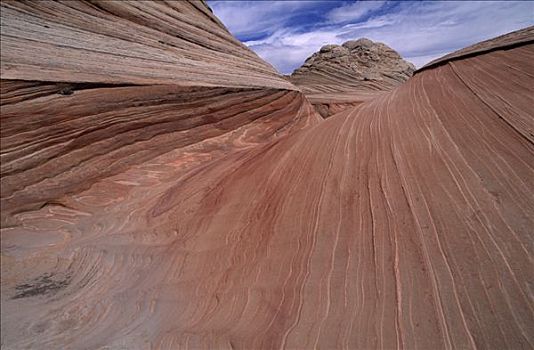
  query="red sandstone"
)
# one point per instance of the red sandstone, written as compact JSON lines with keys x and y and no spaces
{"x":163,"y":187}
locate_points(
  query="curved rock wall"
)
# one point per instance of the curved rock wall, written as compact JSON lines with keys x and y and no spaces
{"x":92,"y":88}
{"x":126,"y":42}
{"x":403,"y":222}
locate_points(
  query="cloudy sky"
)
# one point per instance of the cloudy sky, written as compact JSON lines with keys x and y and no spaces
{"x":285,"y":33}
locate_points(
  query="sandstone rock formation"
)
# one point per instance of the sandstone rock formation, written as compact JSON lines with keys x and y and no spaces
{"x":90,"y":89}
{"x":149,"y":205}
{"x":340,"y":76}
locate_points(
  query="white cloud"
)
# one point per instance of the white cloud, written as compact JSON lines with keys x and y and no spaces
{"x":355,"y":11}
{"x":419,"y":31}
{"x":244,"y":18}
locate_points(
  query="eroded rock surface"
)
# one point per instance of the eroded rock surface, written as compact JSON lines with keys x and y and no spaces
{"x":171,"y":209}
{"x":90,"y":89}
{"x":356,"y":65}
{"x":340,"y":76}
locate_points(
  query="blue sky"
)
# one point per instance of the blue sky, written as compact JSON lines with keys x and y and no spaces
{"x":285,"y":33}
